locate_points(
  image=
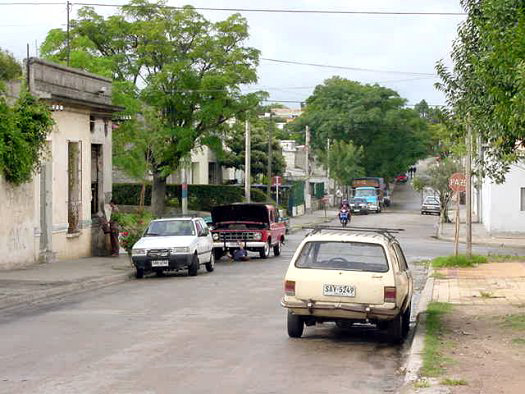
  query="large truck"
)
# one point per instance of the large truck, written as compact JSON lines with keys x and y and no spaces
{"x":364,"y":187}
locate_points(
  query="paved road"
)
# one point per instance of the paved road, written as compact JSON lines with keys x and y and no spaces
{"x":220,"y":332}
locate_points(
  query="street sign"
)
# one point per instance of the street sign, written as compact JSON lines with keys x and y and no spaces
{"x":457,"y":182}
{"x":277,"y":180}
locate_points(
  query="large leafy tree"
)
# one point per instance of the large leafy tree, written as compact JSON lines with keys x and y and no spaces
{"x":344,"y":161}
{"x":180,"y":71}
{"x":9,"y":67}
{"x":485,"y":89}
{"x":371,"y":116}
{"x":235,"y":154}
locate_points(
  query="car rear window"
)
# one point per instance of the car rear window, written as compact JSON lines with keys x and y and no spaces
{"x":170,"y":228}
{"x":350,"y":256}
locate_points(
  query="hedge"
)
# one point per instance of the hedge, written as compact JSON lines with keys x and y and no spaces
{"x":200,"y":197}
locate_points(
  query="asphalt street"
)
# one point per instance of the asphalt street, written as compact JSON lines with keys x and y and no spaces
{"x":219,"y":332}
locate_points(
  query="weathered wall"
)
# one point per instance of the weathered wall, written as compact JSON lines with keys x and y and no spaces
{"x":18,"y":243}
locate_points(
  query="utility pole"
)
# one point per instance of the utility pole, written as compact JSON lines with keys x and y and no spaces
{"x":307,"y":196}
{"x":328,"y":163}
{"x":468,"y":189}
{"x":68,"y":46}
{"x":184,"y":185}
{"x":269,"y":169}
{"x":247,"y":163}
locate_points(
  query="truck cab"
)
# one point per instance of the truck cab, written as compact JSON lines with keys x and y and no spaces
{"x":371,"y":195}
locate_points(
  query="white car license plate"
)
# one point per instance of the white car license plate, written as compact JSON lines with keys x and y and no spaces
{"x":160,"y":263}
{"x":339,"y":290}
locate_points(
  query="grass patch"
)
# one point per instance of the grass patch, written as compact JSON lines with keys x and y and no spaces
{"x":458,"y":261}
{"x":425,"y":263}
{"x":454,"y":382}
{"x":433,"y":360}
{"x":499,"y":258}
{"x":438,"y":275}
{"x":421,"y":384}
{"x":518,"y":341}
{"x":516,"y":321}
{"x":486,"y":294}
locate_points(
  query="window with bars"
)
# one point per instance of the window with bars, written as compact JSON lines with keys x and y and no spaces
{"x":74,"y":174}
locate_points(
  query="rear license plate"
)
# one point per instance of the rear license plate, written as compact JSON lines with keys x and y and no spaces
{"x":339,"y":290}
{"x":160,"y":263}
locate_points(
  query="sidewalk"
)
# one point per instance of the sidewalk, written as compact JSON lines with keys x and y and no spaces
{"x":480,"y":236}
{"x":38,"y":282}
{"x":483,"y":334}
{"x":41,"y":281}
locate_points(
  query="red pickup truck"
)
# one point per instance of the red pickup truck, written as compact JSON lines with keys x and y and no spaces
{"x":257,"y":227}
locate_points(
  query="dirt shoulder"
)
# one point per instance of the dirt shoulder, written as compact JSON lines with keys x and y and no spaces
{"x":484,"y":349}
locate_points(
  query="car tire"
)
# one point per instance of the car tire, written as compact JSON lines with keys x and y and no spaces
{"x":395,"y":329}
{"x":218,"y":253}
{"x":193,"y":269}
{"x":406,"y":321}
{"x":265,"y":252}
{"x":277,"y":248}
{"x":140,"y":273}
{"x":210,"y":266}
{"x":295,"y":325}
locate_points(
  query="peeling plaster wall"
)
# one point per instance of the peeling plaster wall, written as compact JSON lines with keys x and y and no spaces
{"x":18,"y":242}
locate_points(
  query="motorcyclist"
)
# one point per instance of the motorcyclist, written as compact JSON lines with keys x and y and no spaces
{"x":345,"y":204}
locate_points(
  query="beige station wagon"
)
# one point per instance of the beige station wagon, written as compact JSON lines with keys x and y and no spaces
{"x":351,"y":275}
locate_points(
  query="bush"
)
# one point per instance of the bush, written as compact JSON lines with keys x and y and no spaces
{"x":458,"y":261}
{"x":132,"y":227}
{"x":258,"y":195}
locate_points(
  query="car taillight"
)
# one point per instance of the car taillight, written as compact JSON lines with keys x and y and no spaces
{"x":390,"y":294}
{"x":289,"y":287}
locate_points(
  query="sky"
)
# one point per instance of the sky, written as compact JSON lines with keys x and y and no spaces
{"x":395,"y":43}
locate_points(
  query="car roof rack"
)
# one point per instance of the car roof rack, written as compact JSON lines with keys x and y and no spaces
{"x":379,"y":230}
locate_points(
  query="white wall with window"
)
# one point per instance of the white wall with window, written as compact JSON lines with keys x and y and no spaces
{"x":503,"y":206}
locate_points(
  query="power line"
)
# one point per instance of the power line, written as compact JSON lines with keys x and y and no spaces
{"x":347,"y":67}
{"x":291,"y":11}
{"x":28,"y":3}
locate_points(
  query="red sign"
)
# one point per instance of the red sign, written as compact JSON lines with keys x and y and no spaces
{"x":457,"y":182}
{"x":277,"y":180}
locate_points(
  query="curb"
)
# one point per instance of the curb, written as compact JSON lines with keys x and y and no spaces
{"x":72,"y":288}
{"x":414,"y":360}
{"x":295,"y":229}
{"x":492,"y":242}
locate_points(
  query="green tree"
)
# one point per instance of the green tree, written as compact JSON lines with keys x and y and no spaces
{"x":181,"y":72}
{"x":370,"y":116}
{"x":486,"y":87}
{"x":9,"y":67}
{"x":235,"y":154}
{"x":436,"y":177}
{"x":345,"y":161}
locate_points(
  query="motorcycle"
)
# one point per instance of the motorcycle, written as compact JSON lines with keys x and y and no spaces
{"x":344,"y":217}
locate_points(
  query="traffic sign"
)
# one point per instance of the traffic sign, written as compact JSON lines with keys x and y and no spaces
{"x":457,"y":182}
{"x":277,"y":180}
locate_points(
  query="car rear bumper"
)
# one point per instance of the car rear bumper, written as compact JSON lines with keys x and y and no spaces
{"x":342,"y":310}
{"x":175,"y":262}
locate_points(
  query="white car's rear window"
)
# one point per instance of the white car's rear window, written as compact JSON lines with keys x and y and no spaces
{"x":351,"y":256}
{"x":170,"y":228}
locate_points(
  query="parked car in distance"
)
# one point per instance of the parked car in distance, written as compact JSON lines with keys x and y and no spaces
{"x":257,"y":227}
{"x":430,"y":206}
{"x":349,"y":276}
{"x":358,"y":205}
{"x":174,"y":244}
{"x":402,"y":178}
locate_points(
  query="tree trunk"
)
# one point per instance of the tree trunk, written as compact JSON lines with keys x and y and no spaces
{"x":158,"y":194}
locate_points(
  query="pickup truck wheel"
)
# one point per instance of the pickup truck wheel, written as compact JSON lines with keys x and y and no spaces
{"x":140,"y":273}
{"x":295,"y":325}
{"x":406,"y":321}
{"x":193,"y":269}
{"x":210,"y":266}
{"x":395,"y":329}
{"x":265,"y":251}
{"x":217,"y":254}
{"x":277,"y":249}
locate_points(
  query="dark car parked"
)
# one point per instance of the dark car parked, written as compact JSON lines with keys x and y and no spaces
{"x":359,"y":205}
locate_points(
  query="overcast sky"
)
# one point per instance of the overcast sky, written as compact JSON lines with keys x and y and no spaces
{"x":393,"y":43}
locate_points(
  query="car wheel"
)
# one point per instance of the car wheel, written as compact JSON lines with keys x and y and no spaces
{"x":210,"y":266}
{"x":265,"y":252}
{"x":193,"y":269}
{"x":140,"y":273}
{"x":406,"y":321}
{"x":277,"y":249}
{"x":295,"y":325}
{"x":395,"y":329}
{"x":217,"y":254}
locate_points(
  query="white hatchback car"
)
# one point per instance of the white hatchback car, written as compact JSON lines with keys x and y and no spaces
{"x":174,"y":244}
{"x":351,"y":275}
